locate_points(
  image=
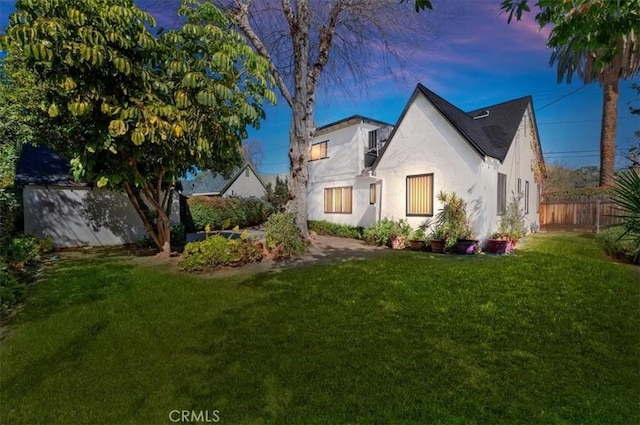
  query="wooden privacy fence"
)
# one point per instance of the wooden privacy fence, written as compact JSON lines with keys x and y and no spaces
{"x":578,"y":214}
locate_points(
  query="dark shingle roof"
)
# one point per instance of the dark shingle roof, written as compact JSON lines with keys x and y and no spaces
{"x":490,"y":130}
{"x":353,"y":118}
{"x":40,"y":165}
{"x":209,"y":183}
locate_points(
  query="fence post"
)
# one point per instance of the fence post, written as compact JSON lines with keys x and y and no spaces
{"x":598,"y":216}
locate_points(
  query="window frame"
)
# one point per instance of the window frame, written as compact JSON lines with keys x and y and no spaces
{"x":526,"y":196}
{"x":326,"y":154}
{"x":408,"y":192}
{"x":501,"y":194}
{"x":331,"y":210}
{"x":375,"y":140}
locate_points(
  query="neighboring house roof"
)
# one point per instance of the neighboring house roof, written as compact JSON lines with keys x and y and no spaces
{"x":40,"y":165}
{"x":345,"y":122}
{"x":489,"y":130}
{"x":207,"y":183}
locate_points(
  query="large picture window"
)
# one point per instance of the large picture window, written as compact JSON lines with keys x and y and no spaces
{"x":318,"y":151}
{"x":337,"y":200}
{"x":420,"y":195}
{"x":502,"y":193}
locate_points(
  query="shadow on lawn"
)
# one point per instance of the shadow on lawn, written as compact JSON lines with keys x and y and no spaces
{"x":72,"y":279}
{"x":63,"y":356}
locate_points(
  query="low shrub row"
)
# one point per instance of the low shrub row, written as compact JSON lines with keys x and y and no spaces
{"x":281,"y":238}
{"x":334,"y":229}
{"x":216,"y":211}
{"x":618,"y":246}
{"x":216,"y":251}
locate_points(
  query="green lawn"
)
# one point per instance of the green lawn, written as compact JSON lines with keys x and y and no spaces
{"x":550,"y":334}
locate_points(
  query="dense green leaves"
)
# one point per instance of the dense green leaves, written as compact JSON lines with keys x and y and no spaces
{"x":141,"y":109}
{"x":626,"y":195}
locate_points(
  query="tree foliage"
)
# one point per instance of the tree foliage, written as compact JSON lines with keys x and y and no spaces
{"x":141,"y":109}
{"x":598,"y":40}
{"x":277,"y":194}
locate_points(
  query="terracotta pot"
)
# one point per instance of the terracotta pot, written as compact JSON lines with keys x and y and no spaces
{"x":466,"y":246}
{"x":397,"y":242}
{"x":416,"y":245}
{"x":437,"y":245}
{"x":498,"y":246}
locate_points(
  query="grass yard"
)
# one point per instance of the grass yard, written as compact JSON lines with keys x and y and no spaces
{"x":550,"y":334}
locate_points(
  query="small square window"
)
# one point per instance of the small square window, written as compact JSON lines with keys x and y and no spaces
{"x":318,"y":151}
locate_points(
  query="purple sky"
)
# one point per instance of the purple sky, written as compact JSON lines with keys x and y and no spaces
{"x":478,"y":60}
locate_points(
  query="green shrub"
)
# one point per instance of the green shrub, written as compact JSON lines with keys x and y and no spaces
{"x":216,"y":211}
{"x":381,"y":232}
{"x":21,"y":249}
{"x":218,"y":251}
{"x":324,"y":227}
{"x":617,"y":245}
{"x":626,"y":195}
{"x":11,"y":290}
{"x":282,"y":233}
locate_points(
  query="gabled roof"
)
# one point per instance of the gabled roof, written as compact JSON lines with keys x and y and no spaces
{"x":489,"y":130}
{"x":353,"y":119}
{"x":40,"y":165}
{"x":214,"y":184}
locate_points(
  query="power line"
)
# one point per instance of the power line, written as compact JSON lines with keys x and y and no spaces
{"x":561,"y":97}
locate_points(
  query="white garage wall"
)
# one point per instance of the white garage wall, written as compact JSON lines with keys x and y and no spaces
{"x":83,"y":216}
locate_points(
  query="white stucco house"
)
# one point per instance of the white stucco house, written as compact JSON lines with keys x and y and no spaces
{"x":71,"y":213}
{"x":244,"y":182}
{"x":362,"y":169}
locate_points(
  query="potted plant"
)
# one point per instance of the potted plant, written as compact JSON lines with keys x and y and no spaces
{"x":400,"y":232}
{"x":417,"y":240}
{"x":511,"y":229}
{"x":437,"y":240}
{"x":453,"y":221}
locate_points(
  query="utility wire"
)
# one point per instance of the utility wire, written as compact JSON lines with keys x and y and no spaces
{"x":561,"y":98}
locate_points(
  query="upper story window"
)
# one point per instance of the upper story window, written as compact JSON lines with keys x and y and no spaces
{"x":373,"y":139}
{"x":318,"y":151}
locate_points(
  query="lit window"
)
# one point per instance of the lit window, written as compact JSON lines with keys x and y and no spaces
{"x":318,"y":151}
{"x":420,"y":195}
{"x":337,"y":200}
{"x":502,"y":193}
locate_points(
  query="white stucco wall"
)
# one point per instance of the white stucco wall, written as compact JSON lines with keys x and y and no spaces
{"x":425,"y":142}
{"x":345,"y":161}
{"x":246,"y":186}
{"x":83,"y":216}
{"x":519,"y":163}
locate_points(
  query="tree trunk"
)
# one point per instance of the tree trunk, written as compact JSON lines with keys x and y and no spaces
{"x":299,"y":172}
{"x":608,"y":132}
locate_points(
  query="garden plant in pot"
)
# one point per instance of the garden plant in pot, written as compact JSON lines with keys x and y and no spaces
{"x":511,"y":229}
{"x":419,"y":236}
{"x":452,"y":224}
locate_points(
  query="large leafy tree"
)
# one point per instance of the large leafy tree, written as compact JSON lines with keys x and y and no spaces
{"x":598,"y":41}
{"x":307,"y":41}
{"x":142,"y":109}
